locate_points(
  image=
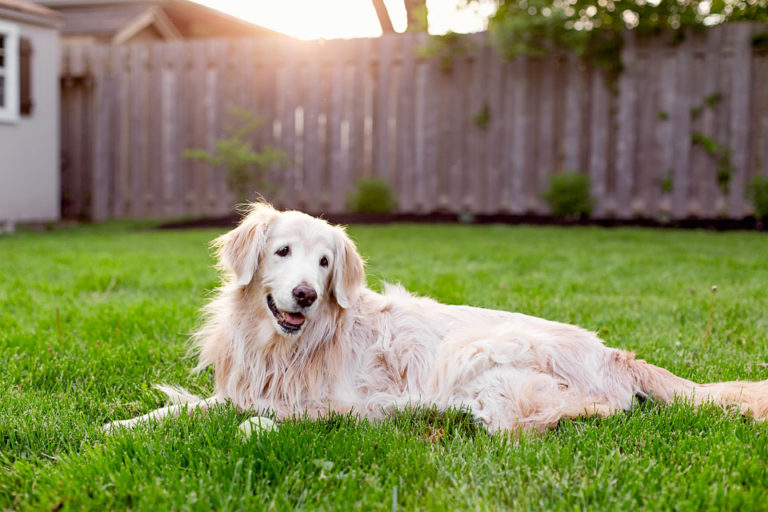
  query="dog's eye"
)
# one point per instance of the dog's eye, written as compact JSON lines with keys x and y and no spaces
{"x":285,"y":251}
{"x":323,"y":261}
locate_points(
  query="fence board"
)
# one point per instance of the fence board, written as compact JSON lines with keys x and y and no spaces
{"x":758,"y":79}
{"x":477,"y":118}
{"x":493,"y":149}
{"x":573,"y":115}
{"x":312,"y":153}
{"x":547,"y":128}
{"x":380,"y":121}
{"x":520,"y":135}
{"x":738,"y":142}
{"x":98,"y":209}
{"x":598,"y":142}
{"x":419,"y":136}
{"x":762,"y":141}
{"x":699,"y":86}
{"x":432,"y":106}
{"x":359,"y":85}
{"x":647,"y":113}
{"x":627,"y":136}
{"x":682,"y":130}
{"x":338,"y":136}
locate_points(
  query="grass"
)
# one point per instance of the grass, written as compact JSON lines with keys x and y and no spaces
{"x":91,"y":317}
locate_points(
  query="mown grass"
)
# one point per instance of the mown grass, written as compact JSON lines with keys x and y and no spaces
{"x":91,"y":317}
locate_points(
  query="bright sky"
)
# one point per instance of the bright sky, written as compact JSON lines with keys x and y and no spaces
{"x":329,"y":19}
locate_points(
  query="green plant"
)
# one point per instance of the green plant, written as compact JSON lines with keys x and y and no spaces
{"x":445,"y":48}
{"x":568,"y":195}
{"x":696,"y":111}
{"x":710,"y":102}
{"x":713,"y":99}
{"x":245,"y":165}
{"x":483,"y":116}
{"x":594,"y":29}
{"x":760,"y":42}
{"x":371,"y":195}
{"x":757,"y":191}
{"x":668,"y":181}
{"x":724,"y":170}
{"x":722,"y":152}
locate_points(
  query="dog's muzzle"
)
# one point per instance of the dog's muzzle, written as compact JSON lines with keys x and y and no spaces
{"x":290,"y":322}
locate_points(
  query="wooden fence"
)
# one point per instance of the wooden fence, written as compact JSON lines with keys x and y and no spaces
{"x":483,"y":136}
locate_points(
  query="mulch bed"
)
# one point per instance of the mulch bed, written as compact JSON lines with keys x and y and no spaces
{"x":747,"y":223}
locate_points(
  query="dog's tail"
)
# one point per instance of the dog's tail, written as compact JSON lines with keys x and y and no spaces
{"x":178,"y":395}
{"x":749,"y":398}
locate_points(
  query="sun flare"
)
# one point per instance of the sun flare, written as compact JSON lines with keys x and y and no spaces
{"x":330,"y":19}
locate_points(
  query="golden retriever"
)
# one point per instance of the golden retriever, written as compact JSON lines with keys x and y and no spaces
{"x":295,"y":330}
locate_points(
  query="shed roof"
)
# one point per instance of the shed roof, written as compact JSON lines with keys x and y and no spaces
{"x":28,"y":8}
{"x":107,"y":18}
{"x":95,"y":19}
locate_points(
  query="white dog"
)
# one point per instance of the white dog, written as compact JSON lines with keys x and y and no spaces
{"x":295,"y":330}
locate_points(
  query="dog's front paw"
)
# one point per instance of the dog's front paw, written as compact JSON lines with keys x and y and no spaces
{"x":758,"y":405}
{"x":110,"y":427}
{"x":113,"y":426}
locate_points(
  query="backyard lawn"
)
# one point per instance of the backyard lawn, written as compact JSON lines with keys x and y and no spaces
{"x":91,"y":317}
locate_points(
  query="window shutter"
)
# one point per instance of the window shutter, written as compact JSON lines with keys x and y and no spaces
{"x":25,"y":76}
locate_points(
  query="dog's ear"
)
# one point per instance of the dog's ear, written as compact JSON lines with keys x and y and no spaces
{"x":240,"y":249}
{"x":348,"y":273}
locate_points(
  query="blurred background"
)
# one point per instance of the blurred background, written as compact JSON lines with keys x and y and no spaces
{"x":174,"y":109}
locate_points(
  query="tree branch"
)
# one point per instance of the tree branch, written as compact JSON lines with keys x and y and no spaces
{"x":383,"y":15}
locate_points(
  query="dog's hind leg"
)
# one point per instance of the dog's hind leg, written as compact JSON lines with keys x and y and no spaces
{"x":183,"y":402}
{"x":521,"y":400}
{"x":749,"y":398}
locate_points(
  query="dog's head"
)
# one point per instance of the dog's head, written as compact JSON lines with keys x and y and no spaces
{"x":294,"y":263}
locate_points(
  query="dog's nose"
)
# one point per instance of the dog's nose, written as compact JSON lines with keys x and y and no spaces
{"x":304,"y":295}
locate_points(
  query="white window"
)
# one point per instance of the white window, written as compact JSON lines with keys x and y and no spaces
{"x":9,"y":72}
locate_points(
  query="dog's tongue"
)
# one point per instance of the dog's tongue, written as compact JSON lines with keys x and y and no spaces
{"x":294,"y":318}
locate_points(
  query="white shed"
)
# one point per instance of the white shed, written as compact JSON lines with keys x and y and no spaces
{"x":29,"y":113}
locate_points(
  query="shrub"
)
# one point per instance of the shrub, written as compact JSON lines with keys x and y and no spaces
{"x":371,"y":195}
{"x":757,"y":191}
{"x":568,"y":195}
{"x":245,"y":165}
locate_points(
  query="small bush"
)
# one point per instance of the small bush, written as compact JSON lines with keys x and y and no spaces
{"x":757,"y":191}
{"x":371,"y":195}
{"x":568,"y":195}
{"x":245,"y":165}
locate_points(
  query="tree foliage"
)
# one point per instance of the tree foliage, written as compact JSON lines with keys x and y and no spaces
{"x":417,"y":13}
{"x":593,"y":28}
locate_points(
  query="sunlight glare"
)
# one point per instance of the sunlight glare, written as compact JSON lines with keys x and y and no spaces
{"x":329,"y":19}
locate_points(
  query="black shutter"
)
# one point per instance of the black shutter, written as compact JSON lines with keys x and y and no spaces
{"x":25,"y":76}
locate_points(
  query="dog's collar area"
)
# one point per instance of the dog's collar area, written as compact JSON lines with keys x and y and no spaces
{"x":290,"y":322}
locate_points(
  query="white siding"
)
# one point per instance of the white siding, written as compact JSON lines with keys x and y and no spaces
{"x":29,"y":147}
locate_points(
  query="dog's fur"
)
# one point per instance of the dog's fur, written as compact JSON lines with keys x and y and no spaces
{"x":353,"y":349}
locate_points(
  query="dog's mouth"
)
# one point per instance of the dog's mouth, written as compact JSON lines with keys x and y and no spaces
{"x":290,"y":322}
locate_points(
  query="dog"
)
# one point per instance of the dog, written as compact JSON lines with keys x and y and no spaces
{"x":294,"y":330}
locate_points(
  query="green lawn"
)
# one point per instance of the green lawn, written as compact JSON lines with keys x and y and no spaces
{"x":91,"y":317}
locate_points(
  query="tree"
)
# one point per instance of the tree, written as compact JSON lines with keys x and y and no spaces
{"x":417,"y":15}
{"x":384,"y":20}
{"x":594,"y":28}
{"x":416,"y":11}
